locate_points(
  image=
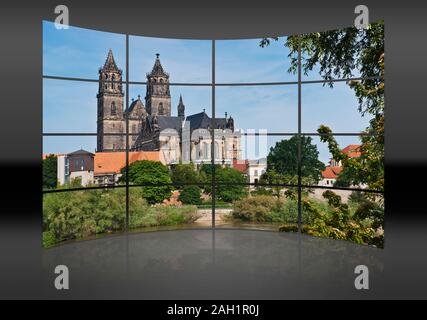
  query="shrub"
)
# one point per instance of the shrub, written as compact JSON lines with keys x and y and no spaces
{"x":263,"y":208}
{"x":79,"y":214}
{"x":48,"y":239}
{"x":261,"y":191}
{"x":256,"y":208}
{"x":370,"y":210}
{"x":190,"y":195}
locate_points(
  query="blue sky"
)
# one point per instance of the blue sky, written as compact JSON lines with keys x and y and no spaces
{"x":70,"y":106}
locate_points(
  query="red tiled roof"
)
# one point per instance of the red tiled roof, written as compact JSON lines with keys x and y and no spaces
{"x":113,"y":162}
{"x":331,"y":172}
{"x":242,"y":167}
{"x":352,"y":150}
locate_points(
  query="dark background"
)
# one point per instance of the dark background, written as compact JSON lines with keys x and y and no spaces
{"x":405,"y":253}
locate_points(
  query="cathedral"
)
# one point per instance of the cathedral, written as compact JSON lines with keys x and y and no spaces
{"x":152,"y":127}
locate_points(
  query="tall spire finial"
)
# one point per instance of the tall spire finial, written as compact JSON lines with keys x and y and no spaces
{"x":157,"y":55}
{"x":110,"y":63}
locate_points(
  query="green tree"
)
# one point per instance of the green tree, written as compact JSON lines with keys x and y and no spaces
{"x":229,"y":182}
{"x":283,"y":159}
{"x":339,"y":53}
{"x":49,"y":171}
{"x":190,"y":195}
{"x":183,"y":174}
{"x":150,"y":173}
{"x":230,"y":185}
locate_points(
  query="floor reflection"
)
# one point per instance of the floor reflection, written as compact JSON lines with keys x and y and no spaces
{"x":213,"y":264}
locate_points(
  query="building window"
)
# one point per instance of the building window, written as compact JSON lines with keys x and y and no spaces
{"x":216,"y":150}
{"x":113,"y":108}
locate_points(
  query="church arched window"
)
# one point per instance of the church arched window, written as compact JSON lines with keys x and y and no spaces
{"x":161,"y":109}
{"x":206,"y":151}
{"x":113,"y":85}
{"x":216,"y":150}
{"x":113,"y":108}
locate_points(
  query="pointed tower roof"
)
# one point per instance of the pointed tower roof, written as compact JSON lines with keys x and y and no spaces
{"x":158,"y":68}
{"x":180,"y":100}
{"x":181,"y":107}
{"x":110,"y":63}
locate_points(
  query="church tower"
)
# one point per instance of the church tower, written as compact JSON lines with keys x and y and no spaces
{"x":158,"y":97}
{"x":110,"y":107}
{"x":181,"y":108}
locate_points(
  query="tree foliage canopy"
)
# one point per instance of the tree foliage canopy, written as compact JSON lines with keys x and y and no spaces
{"x":49,"y":171}
{"x":183,"y":174}
{"x":283,"y":159}
{"x":230,"y":182}
{"x":342,"y":54}
{"x":150,"y":172}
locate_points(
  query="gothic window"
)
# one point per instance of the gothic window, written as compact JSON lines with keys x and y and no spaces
{"x":113,"y":109}
{"x":113,"y":85}
{"x":206,"y":150}
{"x":216,"y":150}
{"x":161,"y":109}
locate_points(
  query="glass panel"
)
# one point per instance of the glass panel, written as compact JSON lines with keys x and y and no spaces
{"x":271,"y":109}
{"x":249,"y":207}
{"x":364,"y":168}
{"x":78,"y":52}
{"x":239,"y":61}
{"x":171,"y":125}
{"x":337,"y":108}
{"x":154,"y":208}
{"x":85,"y":214}
{"x":346,"y":215}
{"x":82,"y":107}
{"x":182,"y":60}
{"x":343,"y":53}
{"x":73,"y":162}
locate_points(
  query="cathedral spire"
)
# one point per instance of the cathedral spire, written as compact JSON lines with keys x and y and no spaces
{"x":158,"y":68}
{"x":181,"y":108}
{"x":110,"y":63}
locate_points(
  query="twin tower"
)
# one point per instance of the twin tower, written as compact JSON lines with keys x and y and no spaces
{"x":111,"y":124}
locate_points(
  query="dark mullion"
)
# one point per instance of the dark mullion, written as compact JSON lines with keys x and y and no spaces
{"x":53,"y":134}
{"x":299,"y":136}
{"x":218,"y":84}
{"x":213,"y":136}
{"x":217,"y":183}
{"x":127,"y":133}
